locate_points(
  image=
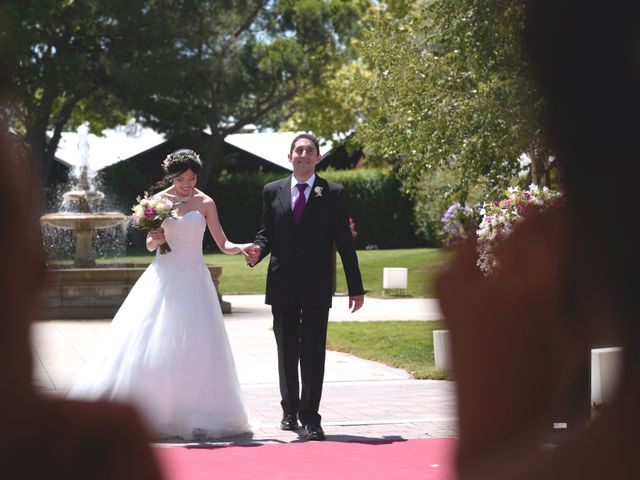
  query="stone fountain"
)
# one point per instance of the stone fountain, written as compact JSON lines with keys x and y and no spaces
{"x":86,"y":291}
{"x":84,"y":222}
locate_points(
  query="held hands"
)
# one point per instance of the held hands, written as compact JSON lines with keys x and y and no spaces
{"x":245,"y":249}
{"x":252,"y":254}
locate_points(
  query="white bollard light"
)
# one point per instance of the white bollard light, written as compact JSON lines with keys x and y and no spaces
{"x":442,"y":350}
{"x":394,"y":278}
{"x":605,"y":371}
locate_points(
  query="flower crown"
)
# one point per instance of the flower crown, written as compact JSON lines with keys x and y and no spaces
{"x":179,"y":157}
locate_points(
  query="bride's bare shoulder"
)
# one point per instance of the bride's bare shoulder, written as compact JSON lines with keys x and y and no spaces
{"x":203,"y":197}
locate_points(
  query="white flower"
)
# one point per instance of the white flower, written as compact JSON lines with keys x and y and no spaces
{"x":318,"y":191}
{"x":500,"y":217}
{"x":138,"y":210}
{"x":164,"y":205}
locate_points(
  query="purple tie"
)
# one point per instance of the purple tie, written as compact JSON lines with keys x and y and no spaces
{"x":298,"y":207}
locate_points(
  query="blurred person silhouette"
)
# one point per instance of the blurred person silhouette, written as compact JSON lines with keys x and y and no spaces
{"x":43,"y":437}
{"x":567,"y":275}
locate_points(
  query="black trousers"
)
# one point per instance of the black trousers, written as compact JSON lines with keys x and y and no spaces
{"x":301,"y":338}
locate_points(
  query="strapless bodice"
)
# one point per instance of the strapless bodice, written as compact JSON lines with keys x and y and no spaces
{"x":184,"y":234}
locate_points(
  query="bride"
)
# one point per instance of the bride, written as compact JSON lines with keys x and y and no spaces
{"x":166,"y":349}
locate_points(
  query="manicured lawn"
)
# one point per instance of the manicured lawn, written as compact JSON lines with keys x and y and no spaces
{"x":401,"y":344}
{"x":422,"y":264}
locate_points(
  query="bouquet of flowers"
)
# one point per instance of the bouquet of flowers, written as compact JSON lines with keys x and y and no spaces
{"x":150,"y":211}
{"x":459,"y":222}
{"x":500,"y":217}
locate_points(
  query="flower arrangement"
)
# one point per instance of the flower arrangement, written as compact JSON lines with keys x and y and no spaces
{"x":318,"y":191}
{"x":459,"y":222}
{"x":150,"y":211}
{"x":500,"y":218}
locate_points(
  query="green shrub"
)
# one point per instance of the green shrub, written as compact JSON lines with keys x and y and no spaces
{"x":383,"y":214}
{"x":238,"y":197}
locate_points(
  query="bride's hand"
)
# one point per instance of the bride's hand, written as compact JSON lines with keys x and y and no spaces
{"x":157,"y":236}
{"x":251,"y":252}
{"x":246,"y":249}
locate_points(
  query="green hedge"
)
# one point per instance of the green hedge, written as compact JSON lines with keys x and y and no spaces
{"x":383,"y":214}
{"x":238,"y":197}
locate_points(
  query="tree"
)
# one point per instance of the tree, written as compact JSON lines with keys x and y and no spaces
{"x":64,"y":55}
{"x":181,"y":66}
{"x":455,"y":92}
{"x":443,"y":91}
{"x":242,"y":63}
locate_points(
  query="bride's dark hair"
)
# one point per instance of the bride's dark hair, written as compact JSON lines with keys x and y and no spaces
{"x":178,"y":162}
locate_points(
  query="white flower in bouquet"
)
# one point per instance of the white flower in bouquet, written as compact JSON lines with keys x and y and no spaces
{"x":501,"y":217}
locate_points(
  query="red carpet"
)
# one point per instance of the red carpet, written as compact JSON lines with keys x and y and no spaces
{"x":423,"y":459}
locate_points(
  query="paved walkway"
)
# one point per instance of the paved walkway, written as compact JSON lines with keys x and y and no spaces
{"x":361,"y":400}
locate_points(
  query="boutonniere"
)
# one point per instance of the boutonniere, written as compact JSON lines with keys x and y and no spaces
{"x":318,"y":191}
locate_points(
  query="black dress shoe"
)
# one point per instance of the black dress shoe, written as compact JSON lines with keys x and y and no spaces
{"x":289,"y":422}
{"x":313,"y":431}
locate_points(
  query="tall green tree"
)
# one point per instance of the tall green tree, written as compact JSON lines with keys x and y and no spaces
{"x":241,"y":63}
{"x":182,"y":66}
{"x":454,"y":91}
{"x":444,"y":92}
{"x":64,"y":55}
{"x":341,"y":101}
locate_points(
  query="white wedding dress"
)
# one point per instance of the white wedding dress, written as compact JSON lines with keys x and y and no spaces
{"x":167,"y":349}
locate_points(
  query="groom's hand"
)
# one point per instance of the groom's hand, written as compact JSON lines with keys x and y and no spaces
{"x":355,"y":302}
{"x":253,"y":254}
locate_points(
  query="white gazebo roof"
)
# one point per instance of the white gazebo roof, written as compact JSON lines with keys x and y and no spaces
{"x":114,"y":145}
{"x":126,"y":141}
{"x":272,"y":146}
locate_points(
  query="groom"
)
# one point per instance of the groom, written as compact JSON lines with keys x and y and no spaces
{"x":303,"y":217}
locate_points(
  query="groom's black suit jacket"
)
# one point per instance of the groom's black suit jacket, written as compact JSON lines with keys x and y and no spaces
{"x":300,"y":269}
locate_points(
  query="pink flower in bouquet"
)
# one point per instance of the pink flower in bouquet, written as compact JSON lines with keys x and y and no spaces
{"x":149,"y":213}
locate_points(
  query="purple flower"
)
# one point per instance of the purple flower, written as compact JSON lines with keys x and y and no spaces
{"x":149,"y":212}
{"x":451,"y":211}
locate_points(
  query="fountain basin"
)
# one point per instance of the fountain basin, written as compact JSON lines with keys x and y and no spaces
{"x":83,"y":221}
{"x":83,"y":224}
{"x":95,"y":293}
